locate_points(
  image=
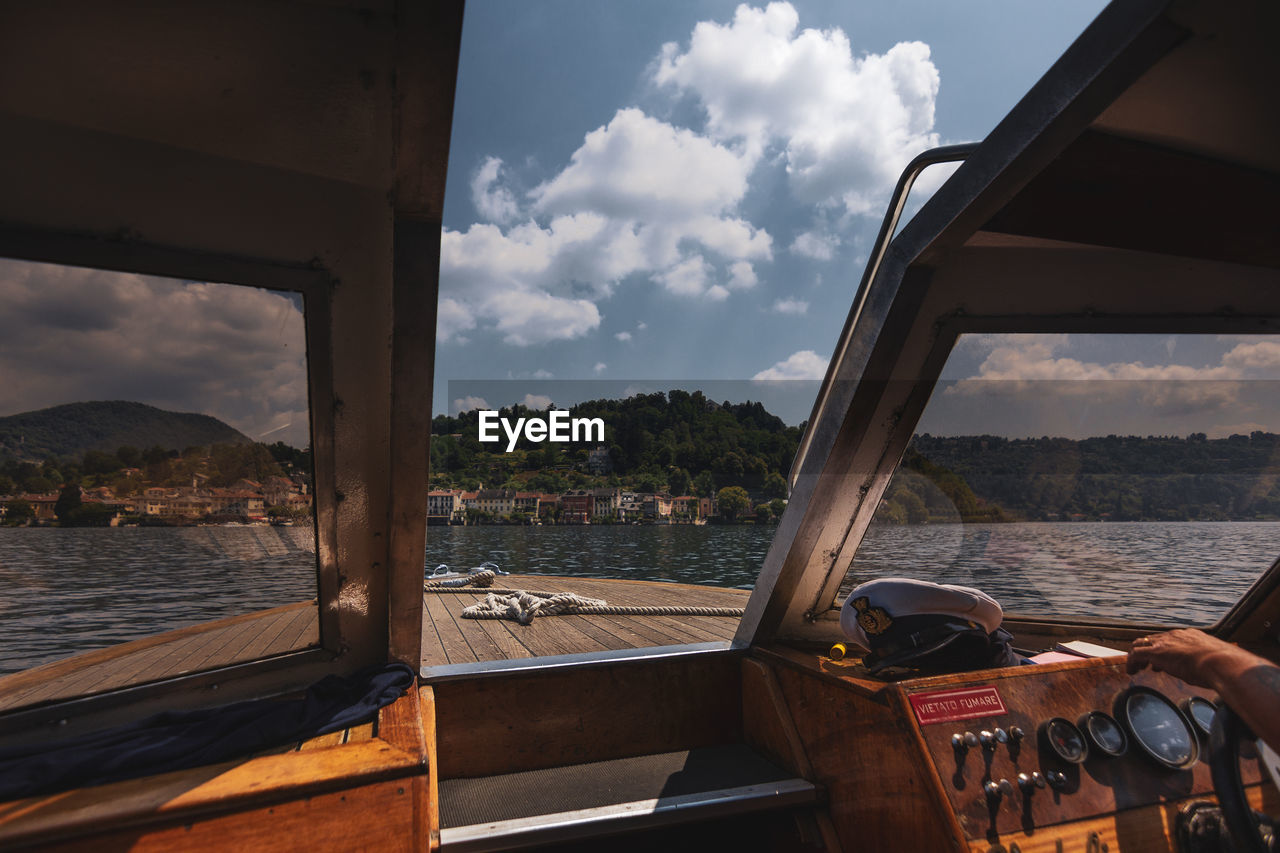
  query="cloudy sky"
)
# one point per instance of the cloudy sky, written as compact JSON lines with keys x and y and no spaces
{"x":652,"y":194}
{"x":69,"y":334}
{"x":662,"y":191}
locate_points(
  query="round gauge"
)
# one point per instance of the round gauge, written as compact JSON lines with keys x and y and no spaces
{"x":1104,"y":733}
{"x":1064,"y":740}
{"x":1159,"y":727}
{"x":1201,"y":712}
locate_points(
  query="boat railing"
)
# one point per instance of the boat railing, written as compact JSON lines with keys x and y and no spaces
{"x":889,"y":225}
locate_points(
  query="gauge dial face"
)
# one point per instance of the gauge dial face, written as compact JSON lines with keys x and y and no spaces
{"x":1105,"y":734}
{"x":1065,"y":740}
{"x":1201,"y":712}
{"x":1159,"y":728}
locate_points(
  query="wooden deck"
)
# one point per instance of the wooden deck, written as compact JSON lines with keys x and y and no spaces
{"x":447,"y":638}
{"x":240,"y":638}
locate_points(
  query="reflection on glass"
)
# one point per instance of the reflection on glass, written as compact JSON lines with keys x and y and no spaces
{"x":1094,"y":477}
{"x":1160,"y":729}
{"x":155,"y":473}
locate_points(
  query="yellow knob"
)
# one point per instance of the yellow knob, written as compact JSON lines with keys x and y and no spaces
{"x":837,"y":652}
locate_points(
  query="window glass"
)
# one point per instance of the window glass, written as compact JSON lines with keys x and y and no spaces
{"x":155,"y":475}
{"x":656,"y":216}
{"x":1091,"y":477}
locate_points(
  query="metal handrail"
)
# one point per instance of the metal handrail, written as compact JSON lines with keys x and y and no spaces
{"x":932,"y":157}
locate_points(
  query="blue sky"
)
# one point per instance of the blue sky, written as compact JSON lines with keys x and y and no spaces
{"x":655,"y":194}
{"x":664,"y":192}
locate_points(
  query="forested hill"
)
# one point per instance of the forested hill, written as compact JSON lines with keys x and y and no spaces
{"x":75,"y":428}
{"x":1122,"y":478}
{"x":652,"y":439}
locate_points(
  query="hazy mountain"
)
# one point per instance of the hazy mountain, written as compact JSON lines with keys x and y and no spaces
{"x":74,"y":428}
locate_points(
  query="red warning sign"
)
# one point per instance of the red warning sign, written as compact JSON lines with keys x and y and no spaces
{"x":945,"y":706}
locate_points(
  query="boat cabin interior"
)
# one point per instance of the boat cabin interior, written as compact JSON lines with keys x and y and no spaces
{"x":301,"y":147}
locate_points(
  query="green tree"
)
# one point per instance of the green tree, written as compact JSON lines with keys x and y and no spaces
{"x":913,"y":505}
{"x":732,"y":501}
{"x":774,"y":485}
{"x":704,"y":485}
{"x":18,"y":510}
{"x":69,"y":500}
{"x":678,"y":481}
{"x":778,"y":505}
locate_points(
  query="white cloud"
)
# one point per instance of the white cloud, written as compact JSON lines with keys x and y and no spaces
{"x":599,"y":368}
{"x":641,"y":197}
{"x":453,"y":317}
{"x":846,"y":125}
{"x":805,"y":364}
{"x":543,"y":374}
{"x":640,"y":168}
{"x":70,"y":334}
{"x":791,"y":306}
{"x":623,"y":336}
{"x":641,"y":326}
{"x":742,"y":276}
{"x":820,"y":247}
{"x":530,"y":317}
{"x":1262,"y":355}
{"x":1023,"y":365}
{"x":687,"y":278}
{"x":638,"y":197}
{"x":494,"y":203}
{"x":469,"y":403}
{"x":537,"y":402}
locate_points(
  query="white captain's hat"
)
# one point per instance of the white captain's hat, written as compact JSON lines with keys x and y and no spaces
{"x":901,"y":619}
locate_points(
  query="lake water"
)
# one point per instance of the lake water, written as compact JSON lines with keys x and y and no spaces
{"x":67,"y":591}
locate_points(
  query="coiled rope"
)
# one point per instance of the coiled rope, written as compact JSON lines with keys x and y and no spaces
{"x":523,"y":605}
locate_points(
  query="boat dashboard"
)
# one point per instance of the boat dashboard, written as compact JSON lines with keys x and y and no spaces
{"x":1067,"y":756}
{"x":1023,"y":753}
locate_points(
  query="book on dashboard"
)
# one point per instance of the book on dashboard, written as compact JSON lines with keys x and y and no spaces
{"x":1087,"y":650}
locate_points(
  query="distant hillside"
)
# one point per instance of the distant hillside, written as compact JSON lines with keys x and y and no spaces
{"x":1123,"y":478}
{"x":73,"y":429}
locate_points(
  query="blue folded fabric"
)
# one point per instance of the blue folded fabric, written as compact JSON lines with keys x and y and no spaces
{"x":176,"y":740}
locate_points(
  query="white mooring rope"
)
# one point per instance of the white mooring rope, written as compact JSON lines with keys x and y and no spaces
{"x":523,"y":605}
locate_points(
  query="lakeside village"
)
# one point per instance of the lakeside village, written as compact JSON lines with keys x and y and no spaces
{"x":277,"y":500}
{"x":606,"y":505}
{"x":230,"y":484}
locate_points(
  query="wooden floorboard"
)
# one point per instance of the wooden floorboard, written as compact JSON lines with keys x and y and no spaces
{"x":572,"y":634}
{"x":160,"y":656}
{"x":448,"y":638}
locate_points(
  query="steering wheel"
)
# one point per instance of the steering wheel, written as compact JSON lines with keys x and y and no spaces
{"x":1224,"y":763}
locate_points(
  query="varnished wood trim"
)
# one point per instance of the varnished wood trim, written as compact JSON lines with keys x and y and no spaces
{"x":220,"y":788}
{"x":427,"y":700}
{"x":766,"y":722}
{"x":401,"y":725}
{"x":1151,"y":829}
{"x":924,"y":768}
{"x":376,"y":817}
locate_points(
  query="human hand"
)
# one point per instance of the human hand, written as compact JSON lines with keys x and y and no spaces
{"x":1183,"y":653}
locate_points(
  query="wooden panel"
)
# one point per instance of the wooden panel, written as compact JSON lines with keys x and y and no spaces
{"x":398,"y":755}
{"x":1100,"y":786}
{"x":766,"y":721}
{"x":373,"y":817}
{"x":863,"y":753}
{"x":1146,"y":830}
{"x":431,"y":812}
{"x":626,"y":708}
